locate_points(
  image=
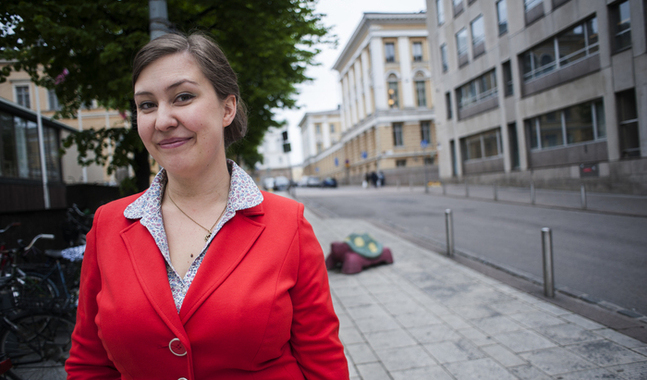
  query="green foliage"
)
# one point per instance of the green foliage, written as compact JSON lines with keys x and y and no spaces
{"x":269,"y":43}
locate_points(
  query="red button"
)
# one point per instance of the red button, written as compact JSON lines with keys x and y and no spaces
{"x":176,"y":347}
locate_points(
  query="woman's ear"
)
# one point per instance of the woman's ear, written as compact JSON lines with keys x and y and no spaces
{"x":229,"y":106}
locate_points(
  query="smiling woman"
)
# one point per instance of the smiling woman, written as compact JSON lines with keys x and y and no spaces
{"x":202,"y":276}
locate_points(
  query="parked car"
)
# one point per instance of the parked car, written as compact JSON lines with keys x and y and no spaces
{"x":329,"y":182}
{"x":281,"y":183}
{"x":314,"y":181}
{"x":268,"y":183}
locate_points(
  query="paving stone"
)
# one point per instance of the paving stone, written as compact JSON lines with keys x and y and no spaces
{"x":619,"y":338}
{"x":556,"y":361}
{"x":496,"y":325}
{"x":405,"y":358}
{"x":475,"y":312}
{"x":406,"y":306}
{"x":523,"y":340}
{"x":550,"y":308}
{"x":454,"y":351}
{"x":433,"y":334}
{"x":344,"y":320}
{"x":385,"y":287}
{"x":514,"y":306}
{"x":426,"y":373}
{"x":348,"y":291}
{"x":357,"y":300}
{"x":582,"y":322}
{"x":477,"y":337}
{"x":377,"y":323}
{"x":631,"y":371}
{"x":391,"y":296}
{"x":373,"y":371}
{"x":536,"y":319}
{"x":350,"y":335}
{"x":455,"y":321}
{"x":485,"y":369}
{"x":567,"y":333}
{"x":366,"y":311}
{"x":424,"y":318}
{"x":606,"y":353}
{"x":528,"y":372}
{"x":591,"y":374}
{"x":389,"y":339}
{"x":502,"y":355}
{"x":361,"y":353}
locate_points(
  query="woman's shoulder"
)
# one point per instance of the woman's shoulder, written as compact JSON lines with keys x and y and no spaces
{"x":272,"y":201}
{"x":118,"y":206}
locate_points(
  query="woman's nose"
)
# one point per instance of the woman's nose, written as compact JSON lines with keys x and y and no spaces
{"x":165,"y":118}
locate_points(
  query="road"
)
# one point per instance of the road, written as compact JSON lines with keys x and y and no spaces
{"x":598,"y":254}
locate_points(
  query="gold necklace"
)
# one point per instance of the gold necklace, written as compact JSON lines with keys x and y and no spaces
{"x":206,"y":238}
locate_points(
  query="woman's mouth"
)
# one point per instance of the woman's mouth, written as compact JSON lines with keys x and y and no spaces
{"x":173,"y":142}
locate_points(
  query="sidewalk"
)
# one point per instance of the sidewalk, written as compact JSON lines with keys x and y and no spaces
{"x":428,"y":317}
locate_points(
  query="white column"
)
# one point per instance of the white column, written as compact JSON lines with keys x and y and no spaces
{"x":406,"y":81}
{"x":368,"y":103}
{"x":346,"y":102}
{"x":351,"y":96}
{"x":41,"y":148}
{"x":379,"y":82}
{"x":313,"y":138}
{"x":357,"y":69}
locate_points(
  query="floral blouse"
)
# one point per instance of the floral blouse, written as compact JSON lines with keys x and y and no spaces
{"x":243,"y":194}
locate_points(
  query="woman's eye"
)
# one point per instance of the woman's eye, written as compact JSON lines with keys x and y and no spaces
{"x":146,"y":105}
{"x":184,"y":97}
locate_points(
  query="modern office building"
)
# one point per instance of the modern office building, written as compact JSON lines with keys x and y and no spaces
{"x":552,"y":92}
{"x":387,"y":118}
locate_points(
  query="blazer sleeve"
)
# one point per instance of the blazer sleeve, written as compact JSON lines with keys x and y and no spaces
{"x":315,"y":327}
{"x":88,"y":358}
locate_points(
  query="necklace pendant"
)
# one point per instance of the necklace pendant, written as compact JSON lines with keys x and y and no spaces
{"x":206,"y":238}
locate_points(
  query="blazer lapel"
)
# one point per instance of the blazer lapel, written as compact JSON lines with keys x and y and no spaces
{"x":150,"y":268}
{"x":227,"y":249}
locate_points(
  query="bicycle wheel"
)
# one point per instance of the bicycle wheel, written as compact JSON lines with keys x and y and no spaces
{"x":33,"y":291}
{"x":38,"y":346}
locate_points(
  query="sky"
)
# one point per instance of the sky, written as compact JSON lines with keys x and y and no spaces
{"x":324,"y":93}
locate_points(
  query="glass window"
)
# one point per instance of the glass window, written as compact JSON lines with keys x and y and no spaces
{"x":579,"y":123}
{"x":440,"y":11}
{"x":622,"y":24}
{"x":478,"y":31}
{"x":628,"y":124}
{"x":448,"y":104}
{"x":502,"y":16}
{"x":572,"y":45}
{"x":52,"y":159}
{"x":389,"y":51}
{"x":474,"y":148}
{"x":601,"y":124}
{"x":531,"y":128}
{"x":417,"y":51}
{"x":332,"y":128}
{"x":507,"y":78}
{"x":397,"y":134}
{"x":425,"y":131}
{"x":318,"y":128}
{"x":400,"y":163}
{"x":22,"y":96}
{"x":443,"y":57}
{"x":529,"y":4}
{"x":9,"y":167}
{"x":53,"y":100}
{"x":421,"y":91}
{"x":550,"y":130}
{"x":461,"y":42}
{"x":393,"y":92}
{"x":491,"y":144}
{"x":592,"y":34}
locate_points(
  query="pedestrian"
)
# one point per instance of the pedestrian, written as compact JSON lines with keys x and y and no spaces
{"x":202,"y":276}
{"x":380,"y":178}
{"x":374,"y":179}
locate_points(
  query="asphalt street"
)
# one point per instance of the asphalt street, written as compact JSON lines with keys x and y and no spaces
{"x":597,"y":255}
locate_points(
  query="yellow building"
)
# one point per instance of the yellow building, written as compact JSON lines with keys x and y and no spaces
{"x":387,"y":117}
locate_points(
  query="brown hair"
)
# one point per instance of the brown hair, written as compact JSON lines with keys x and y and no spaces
{"x":212,"y":62}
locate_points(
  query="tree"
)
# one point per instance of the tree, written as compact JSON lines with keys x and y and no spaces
{"x":269,"y":44}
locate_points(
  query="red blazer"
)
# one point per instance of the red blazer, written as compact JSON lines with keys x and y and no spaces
{"x":258,"y":308}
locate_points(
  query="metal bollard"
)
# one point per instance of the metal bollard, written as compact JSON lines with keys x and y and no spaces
{"x":583,"y":196}
{"x":467,"y":190}
{"x":495,"y":190}
{"x":547,"y":248}
{"x":449,"y":228}
{"x":532,"y":193}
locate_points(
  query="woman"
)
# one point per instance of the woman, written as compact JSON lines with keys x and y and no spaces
{"x":202,"y":276}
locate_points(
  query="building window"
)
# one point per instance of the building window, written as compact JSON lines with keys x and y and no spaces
{"x":332,"y":128}
{"x":318,"y":128}
{"x":397,"y":135}
{"x":483,"y":145}
{"x":621,"y":25}
{"x":443,"y":57}
{"x":425,"y":132}
{"x":440,"y":12}
{"x":389,"y":51}
{"x":477,"y":90}
{"x":417,"y":51}
{"x":393,"y":91}
{"x":421,"y":89}
{"x":22,"y":96}
{"x":502,"y":16}
{"x":628,"y":124}
{"x":461,"y":46}
{"x":530,"y":4}
{"x":458,"y":7}
{"x":507,"y":79}
{"x":573,"y":125}
{"x":571,"y":46}
{"x":448,"y":104}
{"x":478,"y":32}
{"x":319,"y":147}
{"x":19,"y":153}
{"x":53,"y":100}
{"x":400,"y":163}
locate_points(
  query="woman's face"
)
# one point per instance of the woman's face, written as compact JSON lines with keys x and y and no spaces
{"x":179,"y":116}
